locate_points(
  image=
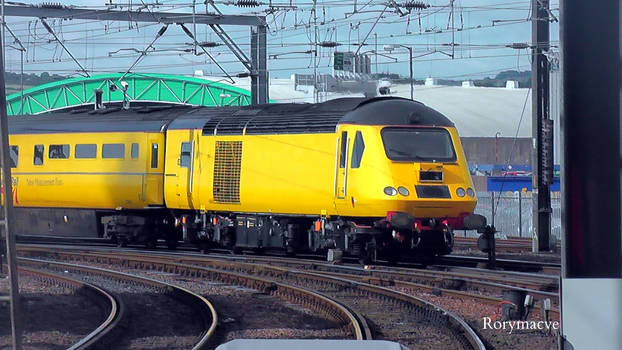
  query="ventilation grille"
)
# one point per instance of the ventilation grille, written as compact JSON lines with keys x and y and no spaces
{"x":227,"y":164}
{"x":424,"y":191}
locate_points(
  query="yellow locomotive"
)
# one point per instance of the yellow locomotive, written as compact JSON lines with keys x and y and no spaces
{"x":369,"y":176}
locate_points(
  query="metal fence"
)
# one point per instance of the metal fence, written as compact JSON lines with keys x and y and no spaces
{"x":513,"y":213}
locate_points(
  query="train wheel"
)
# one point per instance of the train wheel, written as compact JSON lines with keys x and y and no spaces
{"x":448,"y":240}
{"x":369,"y":253}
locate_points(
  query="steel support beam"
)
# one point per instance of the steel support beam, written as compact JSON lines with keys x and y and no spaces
{"x":259,"y":73}
{"x":7,"y":211}
{"x":542,"y":175}
{"x":131,"y":16}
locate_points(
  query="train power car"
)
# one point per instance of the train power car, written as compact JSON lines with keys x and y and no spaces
{"x":380,"y":176}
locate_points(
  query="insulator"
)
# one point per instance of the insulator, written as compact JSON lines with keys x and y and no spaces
{"x":415,"y":5}
{"x":247,"y":3}
{"x":52,"y":5}
{"x":328,"y":44}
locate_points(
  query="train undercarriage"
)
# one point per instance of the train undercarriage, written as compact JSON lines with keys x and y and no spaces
{"x":368,"y":239}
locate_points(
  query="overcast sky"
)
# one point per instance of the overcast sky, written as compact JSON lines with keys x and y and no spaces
{"x":479,"y":45}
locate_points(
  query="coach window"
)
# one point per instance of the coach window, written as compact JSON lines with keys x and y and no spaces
{"x":134,"y":151}
{"x":38,"y":152}
{"x":113,"y":150}
{"x":88,"y":150}
{"x":14,"y":153}
{"x":184,"y":159}
{"x":154,"y":155}
{"x":344,"y":149}
{"x":58,"y":152}
{"x":357,"y":151}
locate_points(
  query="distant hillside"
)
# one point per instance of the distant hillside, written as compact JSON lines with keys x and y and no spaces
{"x":13,"y":79}
{"x":523,"y":78}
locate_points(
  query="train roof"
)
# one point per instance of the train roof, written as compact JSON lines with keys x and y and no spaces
{"x":260,"y":119}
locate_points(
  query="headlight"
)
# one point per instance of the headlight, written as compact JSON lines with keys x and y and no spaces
{"x":390,"y":191}
{"x":470,"y":192}
{"x":460,"y":192}
{"x":403,"y":191}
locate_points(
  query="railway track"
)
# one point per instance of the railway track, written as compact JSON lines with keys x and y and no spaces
{"x":448,"y":260}
{"x":118,"y":331}
{"x":507,"y":245}
{"x":111,"y":306}
{"x":393,"y":315}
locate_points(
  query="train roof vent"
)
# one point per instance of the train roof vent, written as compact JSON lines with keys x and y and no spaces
{"x":210,"y":126}
{"x":287,"y":124}
{"x":233,"y":126}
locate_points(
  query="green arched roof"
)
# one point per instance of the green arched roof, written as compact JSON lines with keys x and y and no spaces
{"x":142,"y":87}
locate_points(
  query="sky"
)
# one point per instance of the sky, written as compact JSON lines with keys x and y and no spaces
{"x":481,"y":30}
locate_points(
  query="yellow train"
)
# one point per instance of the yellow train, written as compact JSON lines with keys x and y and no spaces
{"x":373,"y":176}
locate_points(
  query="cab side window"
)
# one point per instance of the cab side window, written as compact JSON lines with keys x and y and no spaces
{"x":38,"y":155}
{"x":357,"y":151}
{"x":184,"y":158}
{"x":343,"y":154}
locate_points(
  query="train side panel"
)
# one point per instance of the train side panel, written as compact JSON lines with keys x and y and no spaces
{"x":284,"y":174}
{"x":49,"y":174}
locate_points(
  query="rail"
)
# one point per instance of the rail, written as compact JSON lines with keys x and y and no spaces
{"x":204,"y":307}
{"x":106,"y":300}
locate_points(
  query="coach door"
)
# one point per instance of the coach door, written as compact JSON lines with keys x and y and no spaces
{"x":179,"y":168}
{"x":341,"y":167}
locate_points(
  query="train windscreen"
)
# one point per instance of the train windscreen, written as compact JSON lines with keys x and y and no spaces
{"x":418,"y":145}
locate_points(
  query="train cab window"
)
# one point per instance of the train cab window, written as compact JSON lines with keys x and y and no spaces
{"x":154,"y":156}
{"x":343,"y":154}
{"x":58,"y":152}
{"x":113,"y":150}
{"x":418,"y":145}
{"x":185,"y":154}
{"x":38,"y":155}
{"x":85,"y":151}
{"x":13,"y":153}
{"x":357,"y":150}
{"x":134,"y":151}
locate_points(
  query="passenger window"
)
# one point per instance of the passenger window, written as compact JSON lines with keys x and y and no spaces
{"x":13,"y":153}
{"x":38,"y":152}
{"x":184,"y":159}
{"x":113,"y":150}
{"x":344,"y":149}
{"x":357,"y":150}
{"x":85,"y":151}
{"x":154,"y":155}
{"x":58,"y":152}
{"x":134,"y":151}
